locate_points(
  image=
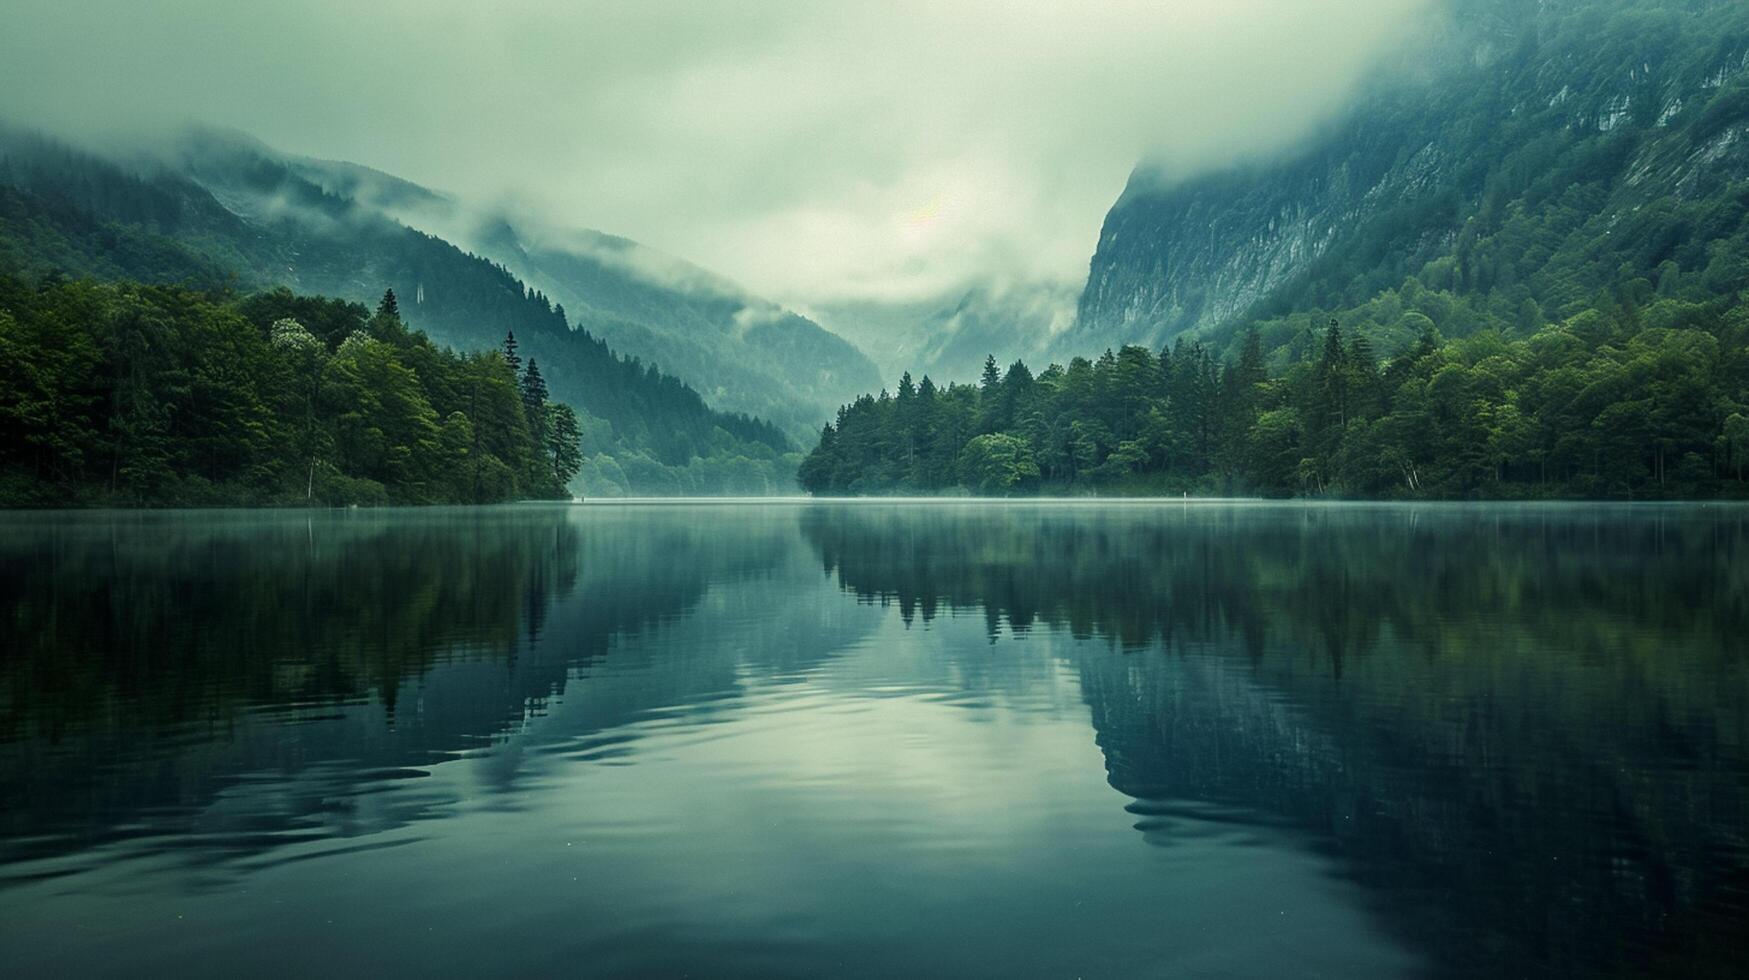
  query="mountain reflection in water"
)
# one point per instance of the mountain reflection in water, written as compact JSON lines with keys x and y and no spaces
{"x":872,"y":738}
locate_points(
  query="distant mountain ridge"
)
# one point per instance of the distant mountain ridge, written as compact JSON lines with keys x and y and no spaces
{"x":947,"y":337}
{"x":1517,"y":268}
{"x":243,"y":220}
{"x":745,"y":354}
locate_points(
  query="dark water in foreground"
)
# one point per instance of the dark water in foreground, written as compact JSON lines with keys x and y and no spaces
{"x":794,"y":739}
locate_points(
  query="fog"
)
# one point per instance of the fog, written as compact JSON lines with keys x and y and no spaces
{"x":814,"y":152}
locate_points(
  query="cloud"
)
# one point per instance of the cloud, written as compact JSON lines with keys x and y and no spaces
{"x":811,"y":150}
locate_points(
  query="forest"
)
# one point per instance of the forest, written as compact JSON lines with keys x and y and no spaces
{"x":137,"y":395}
{"x":66,"y":213}
{"x":1553,"y":301}
{"x":1632,"y":404}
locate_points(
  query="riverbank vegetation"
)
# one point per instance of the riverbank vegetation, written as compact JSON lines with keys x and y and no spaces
{"x":137,"y":395}
{"x":1639,"y":400}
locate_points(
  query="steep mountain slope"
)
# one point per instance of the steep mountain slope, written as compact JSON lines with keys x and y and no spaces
{"x":253,"y":222}
{"x":742,"y":352}
{"x":1525,"y":155}
{"x":745,"y":354}
{"x":1518,"y":268}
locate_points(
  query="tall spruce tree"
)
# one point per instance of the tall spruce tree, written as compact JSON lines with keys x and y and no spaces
{"x":992,"y":375}
{"x":534,"y":399}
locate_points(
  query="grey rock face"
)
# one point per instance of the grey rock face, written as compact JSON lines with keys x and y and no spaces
{"x":1393,"y":183}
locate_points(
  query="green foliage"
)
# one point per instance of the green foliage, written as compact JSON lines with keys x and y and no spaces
{"x":563,"y":444}
{"x":156,"y":395}
{"x":997,"y":464}
{"x":67,"y":213}
{"x":1641,"y":410}
{"x":1539,"y":273}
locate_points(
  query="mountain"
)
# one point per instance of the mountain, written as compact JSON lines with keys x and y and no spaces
{"x":743,"y":353}
{"x":1521,"y":158}
{"x":1517,"y":268}
{"x":233,"y":217}
{"x":948,"y":337}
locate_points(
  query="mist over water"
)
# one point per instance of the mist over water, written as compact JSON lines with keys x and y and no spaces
{"x":875,"y":739}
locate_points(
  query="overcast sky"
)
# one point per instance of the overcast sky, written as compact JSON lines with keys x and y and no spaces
{"x":812,"y":150}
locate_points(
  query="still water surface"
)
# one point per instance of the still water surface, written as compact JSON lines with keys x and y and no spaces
{"x":876,"y":739}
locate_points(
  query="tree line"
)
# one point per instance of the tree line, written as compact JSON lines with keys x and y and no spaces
{"x":1645,"y":403}
{"x":66,"y":213}
{"x":139,"y":395}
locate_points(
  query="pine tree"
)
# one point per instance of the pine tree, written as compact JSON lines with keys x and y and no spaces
{"x":1365,"y":385}
{"x":510,"y":356}
{"x":534,"y":401}
{"x":389,"y":306}
{"x":1240,"y":399}
{"x":992,"y":375}
{"x":990,"y":397}
{"x":1251,"y":367}
{"x":909,"y":417}
{"x":563,"y":443}
{"x":1332,"y":380}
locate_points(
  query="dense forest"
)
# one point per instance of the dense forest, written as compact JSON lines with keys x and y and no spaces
{"x":1519,"y":270}
{"x":129,"y":394}
{"x":1640,"y":402}
{"x":66,"y":212}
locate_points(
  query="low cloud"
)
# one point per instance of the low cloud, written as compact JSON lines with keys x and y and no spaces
{"x":812,"y":151}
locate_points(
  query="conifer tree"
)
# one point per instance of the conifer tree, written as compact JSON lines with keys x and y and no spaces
{"x":534,"y":401}
{"x":1330,"y":403}
{"x":990,"y":396}
{"x":563,"y":444}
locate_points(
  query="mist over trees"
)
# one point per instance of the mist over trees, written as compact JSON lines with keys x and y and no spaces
{"x":1531,"y":280}
{"x":642,"y":431}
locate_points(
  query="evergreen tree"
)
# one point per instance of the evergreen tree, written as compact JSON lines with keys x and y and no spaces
{"x":992,"y":375}
{"x":1241,"y":399}
{"x":907,"y":420}
{"x":534,"y":401}
{"x":1655,"y":411}
{"x":563,"y":444}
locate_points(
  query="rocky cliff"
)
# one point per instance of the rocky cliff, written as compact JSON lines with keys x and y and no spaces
{"x":1554,"y":123}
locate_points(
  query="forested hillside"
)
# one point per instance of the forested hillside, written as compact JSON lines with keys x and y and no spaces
{"x":1622,"y":412}
{"x":127,"y":394}
{"x":744,"y":354}
{"x":1534,"y":248}
{"x":66,"y":212}
{"x":1532,"y":159}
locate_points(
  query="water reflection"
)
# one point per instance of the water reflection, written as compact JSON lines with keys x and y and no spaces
{"x":1525,"y":726}
{"x":159,"y":655}
{"x":1361,"y":740}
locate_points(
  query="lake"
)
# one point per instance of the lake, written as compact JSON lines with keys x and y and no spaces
{"x":877,"y":739}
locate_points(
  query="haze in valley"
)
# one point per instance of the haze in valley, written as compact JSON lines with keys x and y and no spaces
{"x":833,"y":157}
